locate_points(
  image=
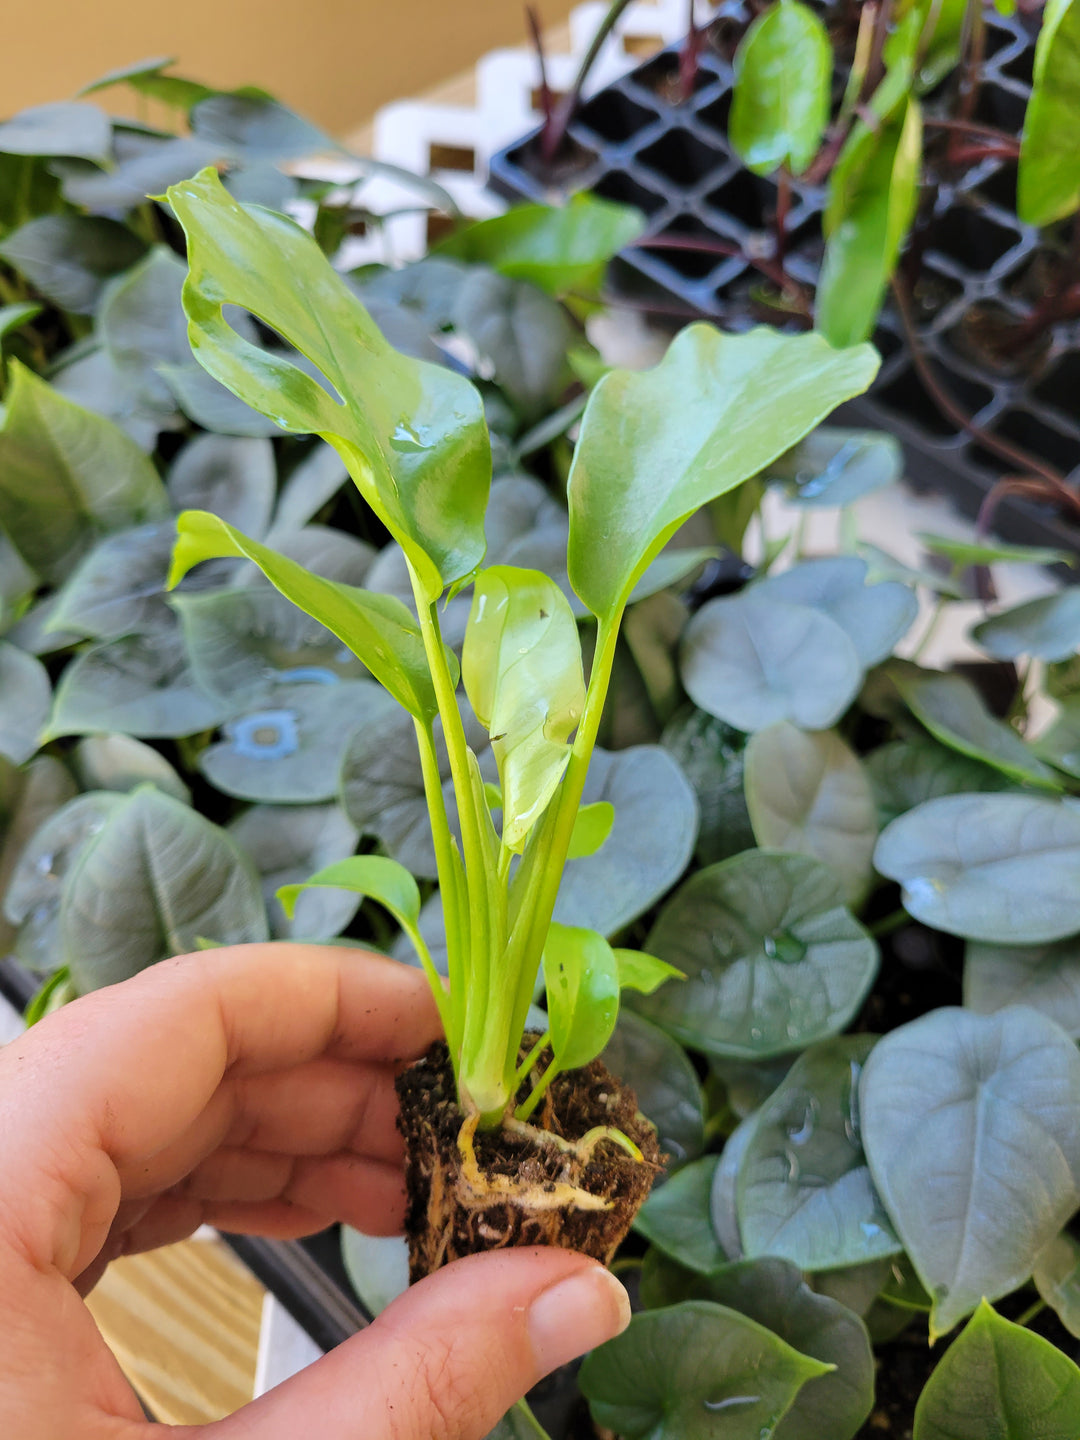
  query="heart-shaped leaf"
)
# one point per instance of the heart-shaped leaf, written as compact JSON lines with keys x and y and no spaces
{"x":998,"y":1381}
{"x":65,"y":127}
{"x":592,"y":826}
{"x":232,"y":477}
{"x":712,"y":757}
{"x":874,"y":616}
{"x":1057,"y":1279}
{"x":808,"y":792}
{"x":1047,"y":628}
{"x":836,"y":467}
{"x":119,"y":587}
{"x":677,"y":1217}
{"x":582,"y":980}
{"x":664,"y":1080}
{"x":67,"y":476}
{"x":773,"y":960}
{"x":904,"y":773}
{"x":68,"y":258}
{"x":28,"y":799}
{"x":25,"y":698}
{"x":695,"y":1371}
{"x":968,"y":1126}
{"x":426,"y":476}
{"x":521,"y":666}
{"x":288,"y":843}
{"x":311,"y":485}
{"x":156,"y":878}
{"x":377,"y":1267}
{"x":804,"y":1191}
{"x":521,"y":337}
{"x":1046,"y":977}
{"x":658,"y":444}
{"x":781,"y":95}
{"x":117,"y":762}
{"x":1000,"y":868}
{"x":724,"y":1199}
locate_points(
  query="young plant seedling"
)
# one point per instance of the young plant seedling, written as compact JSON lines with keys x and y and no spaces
{"x":653,"y":448}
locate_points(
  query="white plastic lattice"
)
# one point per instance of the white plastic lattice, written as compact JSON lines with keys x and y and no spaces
{"x":417,"y":135}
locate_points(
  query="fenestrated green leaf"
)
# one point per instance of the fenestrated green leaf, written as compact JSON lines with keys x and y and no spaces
{"x":664,"y":1080}
{"x":67,"y":476}
{"x":780,"y":98}
{"x":658,"y":444}
{"x":521,"y":666}
{"x":1047,"y":628}
{"x":711,"y":755}
{"x":677,"y":1217}
{"x":835,"y":467}
{"x":378,"y":629}
{"x":64,"y":127}
{"x":998,"y":1381}
{"x":1000,"y":868}
{"x":1048,"y":177}
{"x":288,"y":843}
{"x":1046,"y":977}
{"x":582,"y":980}
{"x":1057,"y":1279}
{"x":592,"y":826}
{"x":646,"y":973}
{"x":904,"y":773}
{"x":118,"y":762}
{"x":873,"y":191}
{"x":156,"y":877}
{"x":968,"y":1127}
{"x":804,"y":1191}
{"x":231,"y":476}
{"x":808,"y":792}
{"x":694,"y":1371}
{"x":753,"y":660}
{"x":874,"y":617}
{"x":288,"y":748}
{"x":650,"y":845}
{"x":557,"y":248}
{"x":25,"y":698}
{"x":412,"y":434}
{"x":68,"y":258}
{"x":137,"y":685}
{"x":953,"y":711}
{"x":774,"y":961}
{"x":962,"y":553}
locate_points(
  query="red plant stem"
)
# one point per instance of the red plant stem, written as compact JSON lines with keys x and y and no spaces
{"x":1004,"y":449}
{"x":972,"y":154}
{"x":783,"y":209}
{"x":688,"y":55}
{"x":973,"y":46}
{"x":972,"y":128}
{"x":554,"y":134}
{"x":537,"y":37}
{"x":875,"y":67}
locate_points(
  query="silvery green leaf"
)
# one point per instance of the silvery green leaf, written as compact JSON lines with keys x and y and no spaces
{"x":311,"y":485}
{"x":1047,"y":628}
{"x":521,"y":335}
{"x":1057,"y":1279}
{"x":904,"y":773}
{"x":288,"y":843}
{"x":25,"y":698}
{"x":119,"y":587}
{"x":711,"y":755}
{"x":228,"y":475}
{"x":210,"y":405}
{"x":91,"y":380}
{"x":377,"y":1267}
{"x":68,"y":258}
{"x":677,"y":1218}
{"x":724,"y":1199}
{"x":665,"y":1082}
{"x":65,"y":127}
{"x":28,"y":797}
{"x":1046,"y":977}
{"x":118,"y":762}
{"x":835,"y":467}
{"x":145,"y":165}
{"x":874,"y":617}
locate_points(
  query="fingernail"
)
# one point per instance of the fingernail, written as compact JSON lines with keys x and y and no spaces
{"x":574,"y":1315}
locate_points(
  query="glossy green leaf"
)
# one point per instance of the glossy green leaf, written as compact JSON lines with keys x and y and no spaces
{"x":377,"y":1267}
{"x":592,"y":826}
{"x":288,"y":747}
{"x":804,"y":1191}
{"x":521,"y":666}
{"x":992,"y":552}
{"x":834,"y":467}
{"x":374,"y":876}
{"x":557,"y":248}
{"x":1048,"y":178}
{"x":650,"y":845}
{"x":874,"y":617}
{"x":725,"y":1191}
{"x":808,"y":792}
{"x":117,"y":762}
{"x":695,"y":1371}
{"x":664,"y":1080}
{"x":1046,"y":629}
{"x":67,"y":476}
{"x":746,"y":1084}
{"x":774,"y":961}
{"x":65,"y":127}
{"x":68,"y":258}
{"x":156,"y":877}
{"x":1057,"y":1279}
{"x":25,"y":699}
{"x":873,"y":191}
{"x":582,"y":980}
{"x":658,"y":444}
{"x":999,"y":868}
{"x":711,"y":755}
{"x":1046,"y":977}
{"x":233,"y":477}
{"x":904,"y":773}
{"x":677,"y":1217}
{"x":781,"y":95}
{"x":287,"y":844}
{"x":645,"y":973}
{"x":953,"y":711}
{"x":412,"y":434}
{"x":998,"y":1381}
{"x":137,"y":685}
{"x":753,"y":660}
{"x":377,"y":628}
{"x":968,"y":1127}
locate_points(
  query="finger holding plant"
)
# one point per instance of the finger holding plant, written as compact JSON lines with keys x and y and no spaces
{"x":653,"y":448}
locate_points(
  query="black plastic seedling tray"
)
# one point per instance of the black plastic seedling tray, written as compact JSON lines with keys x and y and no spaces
{"x":634,"y":143}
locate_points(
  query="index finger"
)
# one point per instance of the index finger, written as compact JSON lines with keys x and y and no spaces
{"x":109,"y":1080}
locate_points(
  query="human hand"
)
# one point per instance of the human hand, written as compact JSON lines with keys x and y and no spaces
{"x":251,"y":1088}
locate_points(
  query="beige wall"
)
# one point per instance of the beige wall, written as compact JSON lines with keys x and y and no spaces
{"x":335,"y":60}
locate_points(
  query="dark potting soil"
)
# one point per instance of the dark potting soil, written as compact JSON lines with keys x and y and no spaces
{"x":515,"y":1197}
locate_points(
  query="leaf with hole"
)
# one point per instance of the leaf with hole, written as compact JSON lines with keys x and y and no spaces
{"x":774,"y":961}
{"x":968,"y":1127}
{"x":781,"y":93}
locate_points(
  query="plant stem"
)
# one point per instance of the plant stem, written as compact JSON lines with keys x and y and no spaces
{"x":931,"y":628}
{"x":1031,"y":1312}
{"x":973,"y":48}
{"x":448,"y":864}
{"x":553,"y":135}
{"x":537,"y":37}
{"x":889,"y":924}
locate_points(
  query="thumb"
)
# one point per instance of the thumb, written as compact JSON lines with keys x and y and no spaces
{"x":450,"y":1357}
